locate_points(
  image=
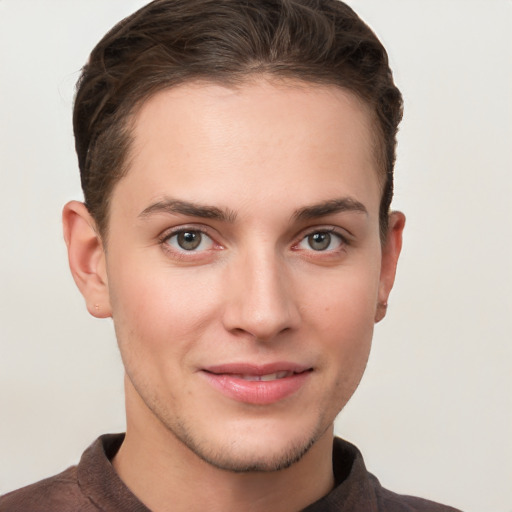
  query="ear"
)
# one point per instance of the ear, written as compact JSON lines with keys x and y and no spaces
{"x":86,"y":258}
{"x":390,"y":253}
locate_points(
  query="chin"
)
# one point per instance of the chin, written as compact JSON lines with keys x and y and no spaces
{"x":249,"y":453}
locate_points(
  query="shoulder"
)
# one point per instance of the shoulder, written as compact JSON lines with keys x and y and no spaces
{"x":357,"y":489}
{"x":60,"y":492}
{"x":90,"y":486}
{"x":393,"y":502}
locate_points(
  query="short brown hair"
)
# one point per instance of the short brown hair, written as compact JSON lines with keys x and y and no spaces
{"x":169,"y":42}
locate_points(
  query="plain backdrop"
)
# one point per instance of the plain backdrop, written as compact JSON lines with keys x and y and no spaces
{"x":433,"y":415}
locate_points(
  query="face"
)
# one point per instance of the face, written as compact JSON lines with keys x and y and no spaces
{"x":245,"y":267}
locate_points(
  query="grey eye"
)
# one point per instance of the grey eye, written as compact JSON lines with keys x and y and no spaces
{"x":189,"y":240}
{"x":319,"y":241}
{"x":322,"y":241}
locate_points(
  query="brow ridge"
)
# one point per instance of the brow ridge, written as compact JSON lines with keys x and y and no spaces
{"x":332,"y":206}
{"x":180,"y":207}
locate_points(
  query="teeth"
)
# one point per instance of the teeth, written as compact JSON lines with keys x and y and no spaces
{"x":275,"y":376}
{"x":265,"y":378}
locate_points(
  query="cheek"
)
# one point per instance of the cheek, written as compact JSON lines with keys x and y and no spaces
{"x":341,"y":316}
{"x":350,"y":323}
{"x":345,"y":298}
{"x":158,"y":309}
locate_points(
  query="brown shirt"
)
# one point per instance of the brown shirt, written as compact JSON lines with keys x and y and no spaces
{"x":94,"y":486}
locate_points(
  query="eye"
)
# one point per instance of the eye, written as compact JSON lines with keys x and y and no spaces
{"x":190,"y":240}
{"x":322,"y":241}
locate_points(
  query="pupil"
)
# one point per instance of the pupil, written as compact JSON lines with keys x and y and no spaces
{"x":189,"y":240}
{"x":319,"y":241}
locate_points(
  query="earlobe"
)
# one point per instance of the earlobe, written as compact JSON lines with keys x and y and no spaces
{"x":390,"y":253}
{"x":86,"y":258}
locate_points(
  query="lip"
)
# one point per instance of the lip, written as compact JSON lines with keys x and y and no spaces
{"x":227,"y":379}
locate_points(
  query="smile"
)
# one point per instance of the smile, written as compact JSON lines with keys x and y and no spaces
{"x":258,"y":385}
{"x":264,"y":378}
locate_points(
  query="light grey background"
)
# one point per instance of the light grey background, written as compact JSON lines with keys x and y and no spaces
{"x":433,"y":415}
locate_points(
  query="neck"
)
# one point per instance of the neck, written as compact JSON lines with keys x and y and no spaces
{"x":165,"y":474}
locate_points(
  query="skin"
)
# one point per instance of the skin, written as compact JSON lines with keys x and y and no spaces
{"x":260,"y":288}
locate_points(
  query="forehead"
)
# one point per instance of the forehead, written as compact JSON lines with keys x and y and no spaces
{"x":252,"y":103}
{"x":264,"y":133}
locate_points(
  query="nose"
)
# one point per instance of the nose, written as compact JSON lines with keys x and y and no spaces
{"x":259,"y":298}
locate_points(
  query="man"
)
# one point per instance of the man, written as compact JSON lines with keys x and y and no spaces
{"x":237,"y":166}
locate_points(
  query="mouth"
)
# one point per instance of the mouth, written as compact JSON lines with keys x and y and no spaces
{"x":264,"y":378}
{"x":258,"y":385}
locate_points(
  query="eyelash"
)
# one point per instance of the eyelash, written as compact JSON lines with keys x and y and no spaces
{"x":201,"y":230}
{"x":181,"y":253}
{"x":343,"y":240}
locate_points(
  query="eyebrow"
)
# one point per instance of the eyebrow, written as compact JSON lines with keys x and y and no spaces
{"x":179,"y":207}
{"x":344,"y":204}
{"x":175,"y":206}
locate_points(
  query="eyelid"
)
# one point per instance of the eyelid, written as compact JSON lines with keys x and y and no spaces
{"x":342,"y":233}
{"x":320,"y":255}
{"x":201,"y":228}
{"x":176,"y":230}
